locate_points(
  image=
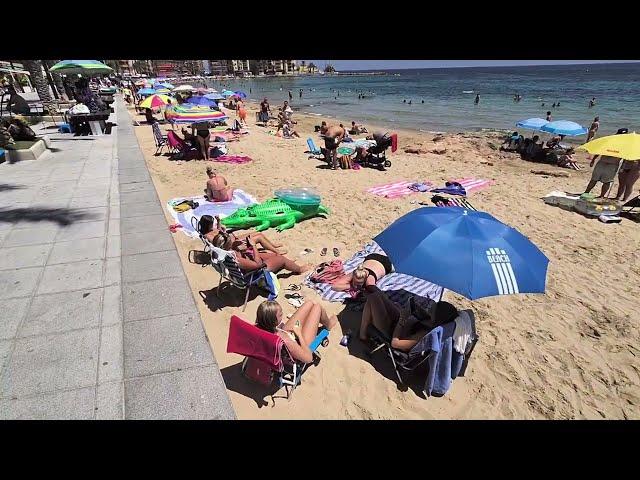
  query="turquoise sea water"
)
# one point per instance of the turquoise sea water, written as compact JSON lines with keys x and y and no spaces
{"x":447,"y":108}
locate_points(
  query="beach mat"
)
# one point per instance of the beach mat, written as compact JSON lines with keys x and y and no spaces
{"x":394,"y":190}
{"x":222,"y":209}
{"x":399,"y":287}
{"x":471,"y":184}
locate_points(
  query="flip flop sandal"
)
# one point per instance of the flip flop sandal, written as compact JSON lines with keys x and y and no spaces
{"x":173,"y":228}
{"x":296,"y":302}
{"x":336,"y":252}
{"x":323,"y":252}
{"x":294,"y":295}
{"x":294,"y":288}
{"x":306,"y":251}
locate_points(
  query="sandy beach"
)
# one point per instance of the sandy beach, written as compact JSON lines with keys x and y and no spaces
{"x":571,"y":353}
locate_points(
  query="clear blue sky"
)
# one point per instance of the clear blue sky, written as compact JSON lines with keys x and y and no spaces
{"x":399,"y":64}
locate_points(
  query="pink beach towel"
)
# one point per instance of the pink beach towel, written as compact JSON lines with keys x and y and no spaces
{"x":231,"y":159}
{"x":471,"y":184}
{"x":393,"y":190}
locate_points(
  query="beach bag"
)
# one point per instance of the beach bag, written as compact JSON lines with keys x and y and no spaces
{"x":258,"y":371}
{"x":328,"y":272}
{"x":185,"y":206}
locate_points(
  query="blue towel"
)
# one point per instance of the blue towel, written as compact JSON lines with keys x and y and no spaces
{"x":444,"y":362}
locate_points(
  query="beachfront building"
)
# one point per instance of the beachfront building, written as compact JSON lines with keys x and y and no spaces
{"x":273,"y":67}
{"x":218,"y":68}
{"x":239,"y":67}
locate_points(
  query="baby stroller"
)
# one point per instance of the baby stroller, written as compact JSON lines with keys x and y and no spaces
{"x":376,"y":155}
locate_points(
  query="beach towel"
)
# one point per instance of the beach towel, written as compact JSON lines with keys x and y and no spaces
{"x":237,"y":159}
{"x":395,"y":190}
{"x":222,"y":209}
{"x":472,"y":184}
{"x":399,"y":287}
{"x":394,"y":142}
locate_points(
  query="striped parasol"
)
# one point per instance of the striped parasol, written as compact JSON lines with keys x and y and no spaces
{"x":196,"y":113}
{"x":155,"y":101}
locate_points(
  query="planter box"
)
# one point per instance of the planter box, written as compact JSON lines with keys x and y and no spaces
{"x":22,"y":151}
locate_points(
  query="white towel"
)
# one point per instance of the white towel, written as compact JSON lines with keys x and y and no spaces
{"x":462,"y":333}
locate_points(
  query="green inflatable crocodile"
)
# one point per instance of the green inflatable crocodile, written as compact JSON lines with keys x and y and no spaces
{"x":271,"y":213}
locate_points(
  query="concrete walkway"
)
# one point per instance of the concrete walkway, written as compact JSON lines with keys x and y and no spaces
{"x":97,"y":318}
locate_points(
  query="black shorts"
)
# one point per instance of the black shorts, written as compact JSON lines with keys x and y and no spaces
{"x":381,"y":259}
{"x":330,"y":143}
{"x":203,"y":133}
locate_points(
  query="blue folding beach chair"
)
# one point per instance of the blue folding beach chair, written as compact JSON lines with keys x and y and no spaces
{"x":312,"y":147}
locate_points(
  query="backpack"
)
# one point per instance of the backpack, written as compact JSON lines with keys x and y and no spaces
{"x":327,"y":272}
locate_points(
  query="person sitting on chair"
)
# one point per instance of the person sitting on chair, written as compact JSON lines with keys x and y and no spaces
{"x":299,"y":331}
{"x":405,"y":326}
{"x":250,"y":258}
{"x":209,"y":227}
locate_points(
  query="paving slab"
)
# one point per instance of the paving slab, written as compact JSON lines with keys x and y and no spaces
{"x":71,"y":276}
{"x":11,"y":314}
{"x":156,"y":298}
{"x":76,"y":251}
{"x":65,"y":405}
{"x":21,"y":257}
{"x":19,"y":283}
{"x":151,"y":266}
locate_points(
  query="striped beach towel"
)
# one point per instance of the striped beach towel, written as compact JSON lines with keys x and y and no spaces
{"x":399,"y":287}
{"x":452,"y":202}
{"x":394,"y":190}
{"x":471,"y":184}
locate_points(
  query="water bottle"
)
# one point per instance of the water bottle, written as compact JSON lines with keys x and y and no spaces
{"x":346,"y":339}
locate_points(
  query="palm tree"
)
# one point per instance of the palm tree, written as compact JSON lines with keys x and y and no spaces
{"x":57,"y":79}
{"x":34,"y":67}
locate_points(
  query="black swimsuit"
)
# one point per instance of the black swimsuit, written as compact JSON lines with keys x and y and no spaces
{"x":382,"y":260}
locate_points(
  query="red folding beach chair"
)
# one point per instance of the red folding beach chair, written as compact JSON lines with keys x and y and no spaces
{"x":267,"y":357}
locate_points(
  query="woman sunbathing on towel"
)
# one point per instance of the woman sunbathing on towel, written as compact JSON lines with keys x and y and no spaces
{"x":210,"y":227}
{"x":250,"y":258}
{"x":374,"y":267}
{"x":299,"y":331}
{"x":217,"y":189}
{"x":405,"y":326}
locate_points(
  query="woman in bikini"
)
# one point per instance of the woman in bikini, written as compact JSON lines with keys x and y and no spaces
{"x":201,"y":131}
{"x":374,"y":267}
{"x":299,"y":331}
{"x":250,"y":258}
{"x":209,"y":227}
{"x":217,"y":189}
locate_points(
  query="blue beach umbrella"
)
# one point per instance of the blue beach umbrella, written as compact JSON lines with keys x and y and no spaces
{"x":146,"y":91}
{"x":164,"y":85}
{"x":227,"y":93}
{"x":532,"y":123}
{"x":564,"y":127}
{"x":240,"y":93}
{"x":202,"y":101}
{"x":471,"y":253}
{"x":213,"y":96}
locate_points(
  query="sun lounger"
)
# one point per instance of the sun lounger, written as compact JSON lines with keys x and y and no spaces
{"x":267,"y":358}
{"x":632,"y":207}
{"x":160,"y":139}
{"x":313,"y":150}
{"x":439,"y":373}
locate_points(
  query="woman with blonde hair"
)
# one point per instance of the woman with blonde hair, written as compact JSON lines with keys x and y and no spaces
{"x":299,"y":331}
{"x":374,"y":267}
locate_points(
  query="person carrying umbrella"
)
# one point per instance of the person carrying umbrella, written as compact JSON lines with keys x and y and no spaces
{"x":605,"y":170}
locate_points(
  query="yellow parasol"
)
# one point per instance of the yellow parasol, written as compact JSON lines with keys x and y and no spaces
{"x":625,"y":146}
{"x":155,"y":101}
